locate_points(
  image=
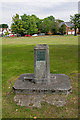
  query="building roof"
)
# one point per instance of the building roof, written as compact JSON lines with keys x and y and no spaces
{"x":68,"y":24}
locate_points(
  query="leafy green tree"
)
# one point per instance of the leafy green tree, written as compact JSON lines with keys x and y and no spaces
{"x":32,"y":24}
{"x":45,"y":25}
{"x":51,"y":18}
{"x":55,"y":29}
{"x":62,"y":29}
{"x":49,"y":25}
{"x":3,"y":26}
{"x":38,"y":21}
{"x":59,"y":21}
{"x":29,"y":24}
{"x":7,"y":33}
{"x":53,"y":25}
{"x":76,"y":21}
{"x":17,"y":26}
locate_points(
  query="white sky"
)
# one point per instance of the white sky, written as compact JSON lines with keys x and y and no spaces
{"x":62,"y":9}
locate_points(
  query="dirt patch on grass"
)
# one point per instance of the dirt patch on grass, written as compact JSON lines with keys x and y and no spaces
{"x":35,"y":100}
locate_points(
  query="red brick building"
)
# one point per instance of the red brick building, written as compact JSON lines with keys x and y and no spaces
{"x":69,"y":29}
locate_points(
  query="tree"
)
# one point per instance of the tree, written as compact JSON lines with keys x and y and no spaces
{"x":3,"y":26}
{"x":51,"y":18}
{"x":7,"y":33}
{"x":49,"y":25}
{"x":78,"y":18}
{"x":32,"y":26}
{"x":17,"y":26}
{"x":38,"y":21}
{"x":29,"y":24}
{"x":53,"y":25}
{"x":76,"y":21}
{"x":59,"y":21}
{"x":62,"y":29}
{"x":45,"y":25}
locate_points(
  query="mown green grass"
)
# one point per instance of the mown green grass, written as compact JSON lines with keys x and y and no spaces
{"x":18,"y":58}
{"x":51,"y":40}
{"x":0,"y":78}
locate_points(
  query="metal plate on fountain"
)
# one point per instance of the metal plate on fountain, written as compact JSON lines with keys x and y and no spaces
{"x":40,"y":55}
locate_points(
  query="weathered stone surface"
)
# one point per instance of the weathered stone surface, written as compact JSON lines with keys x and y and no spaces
{"x":41,"y":64}
{"x":42,"y":81}
{"x":35,"y":100}
{"x":59,"y":83}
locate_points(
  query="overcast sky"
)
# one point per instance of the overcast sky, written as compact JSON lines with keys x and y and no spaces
{"x":62,"y":9}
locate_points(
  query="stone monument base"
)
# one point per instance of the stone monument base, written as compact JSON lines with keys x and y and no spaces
{"x":60,"y":83}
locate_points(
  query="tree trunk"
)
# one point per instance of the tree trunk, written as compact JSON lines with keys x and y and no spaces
{"x":75,"y":31}
{"x":79,"y":28}
{"x":17,"y":34}
{"x":2,"y":33}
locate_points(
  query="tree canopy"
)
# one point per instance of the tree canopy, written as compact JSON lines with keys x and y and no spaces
{"x":49,"y":24}
{"x":62,"y":29}
{"x":31,"y":24}
{"x":3,"y":26}
{"x":17,"y":26}
{"x":76,"y":21}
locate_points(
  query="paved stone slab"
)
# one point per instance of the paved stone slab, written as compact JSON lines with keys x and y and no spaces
{"x":59,"y":83}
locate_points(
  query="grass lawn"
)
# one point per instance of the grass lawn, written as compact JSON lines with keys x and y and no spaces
{"x":18,"y":58}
